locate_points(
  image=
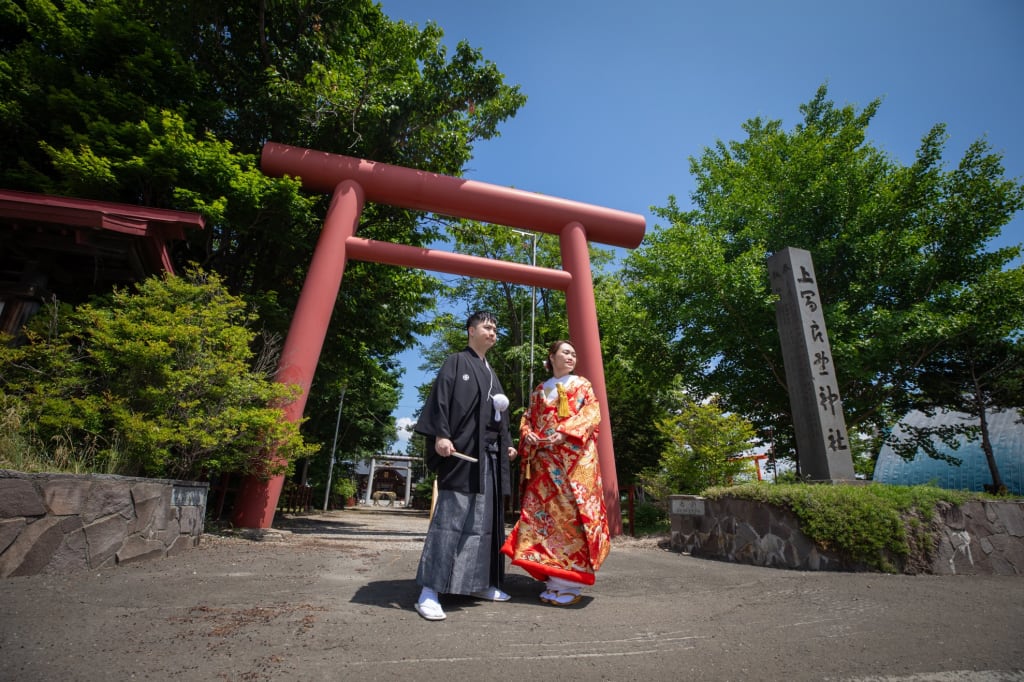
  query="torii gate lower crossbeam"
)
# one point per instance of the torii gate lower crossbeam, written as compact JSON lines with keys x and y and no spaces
{"x":353,"y":182}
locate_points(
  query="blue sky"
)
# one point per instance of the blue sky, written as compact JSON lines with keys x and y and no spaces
{"x":620,"y":98}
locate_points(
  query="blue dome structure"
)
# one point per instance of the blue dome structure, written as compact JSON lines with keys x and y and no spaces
{"x":1006,"y":432}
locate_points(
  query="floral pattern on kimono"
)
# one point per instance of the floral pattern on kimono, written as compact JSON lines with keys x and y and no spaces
{"x":563,"y":527}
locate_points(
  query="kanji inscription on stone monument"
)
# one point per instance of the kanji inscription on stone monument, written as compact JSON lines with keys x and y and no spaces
{"x":821,"y":440}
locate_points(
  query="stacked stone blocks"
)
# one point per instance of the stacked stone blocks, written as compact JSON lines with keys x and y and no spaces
{"x":976,"y":538}
{"x":56,"y":523}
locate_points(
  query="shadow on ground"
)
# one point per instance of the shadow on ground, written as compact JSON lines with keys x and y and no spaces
{"x":402,"y":594}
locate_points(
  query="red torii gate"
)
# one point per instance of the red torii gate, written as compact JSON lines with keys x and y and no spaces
{"x":353,"y":182}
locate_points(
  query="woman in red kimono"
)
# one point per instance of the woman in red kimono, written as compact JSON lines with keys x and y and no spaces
{"x":562,"y":534}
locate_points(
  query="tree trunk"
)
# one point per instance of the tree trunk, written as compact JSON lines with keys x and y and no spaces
{"x":998,"y":487}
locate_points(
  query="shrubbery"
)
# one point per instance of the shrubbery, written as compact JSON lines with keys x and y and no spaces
{"x":162,"y":382}
{"x":872,"y":524}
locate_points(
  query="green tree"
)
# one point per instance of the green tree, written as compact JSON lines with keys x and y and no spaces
{"x":703,"y":448}
{"x":893,"y":247}
{"x":161,"y":382}
{"x":512,"y":303}
{"x":637,"y":401}
{"x":980,"y":369}
{"x":168,"y":104}
{"x":633,"y":407}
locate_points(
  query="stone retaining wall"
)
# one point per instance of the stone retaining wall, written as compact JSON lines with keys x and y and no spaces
{"x":56,"y":523}
{"x":982,"y":538}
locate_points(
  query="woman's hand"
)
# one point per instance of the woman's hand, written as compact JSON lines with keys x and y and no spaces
{"x":533,"y":439}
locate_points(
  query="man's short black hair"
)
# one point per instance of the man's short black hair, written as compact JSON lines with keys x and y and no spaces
{"x":481,"y":316}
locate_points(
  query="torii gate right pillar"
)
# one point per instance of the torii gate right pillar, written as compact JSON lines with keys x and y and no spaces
{"x":581,"y":309}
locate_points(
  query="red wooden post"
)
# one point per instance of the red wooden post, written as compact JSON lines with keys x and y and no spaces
{"x":301,"y":353}
{"x":581,"y":309}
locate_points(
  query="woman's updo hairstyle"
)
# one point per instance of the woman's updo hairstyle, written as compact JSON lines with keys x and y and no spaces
{"x":552,"y":349}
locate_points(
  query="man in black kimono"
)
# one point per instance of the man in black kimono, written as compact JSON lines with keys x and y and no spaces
{"x":466,"y":415}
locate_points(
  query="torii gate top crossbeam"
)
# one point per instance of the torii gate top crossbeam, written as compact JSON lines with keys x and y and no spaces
{"x":419,"y":190}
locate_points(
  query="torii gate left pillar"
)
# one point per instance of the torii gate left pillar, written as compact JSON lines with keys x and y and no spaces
{"x":355,"y":181}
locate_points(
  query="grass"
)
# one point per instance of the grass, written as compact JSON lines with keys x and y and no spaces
{"x":21,"y":450}
{"x":881,"y":526}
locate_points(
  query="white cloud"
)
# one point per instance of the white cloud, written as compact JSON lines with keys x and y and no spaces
{"x":403,"y":426}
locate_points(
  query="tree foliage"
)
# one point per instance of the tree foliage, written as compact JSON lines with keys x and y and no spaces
{"x":637,"y":440}
{"x":979,"y":370}
{"x":168,"y":104}
{"x":161,"y":382}
{"x":637,"y":401}
{"x":898,"y":251}
{"x":703,"y":448}
{"x":517,"y":306}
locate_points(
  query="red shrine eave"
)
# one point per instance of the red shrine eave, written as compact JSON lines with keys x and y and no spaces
{"x":71,"y":248}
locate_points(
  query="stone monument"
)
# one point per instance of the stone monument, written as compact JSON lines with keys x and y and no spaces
{"x":823,"y":447}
